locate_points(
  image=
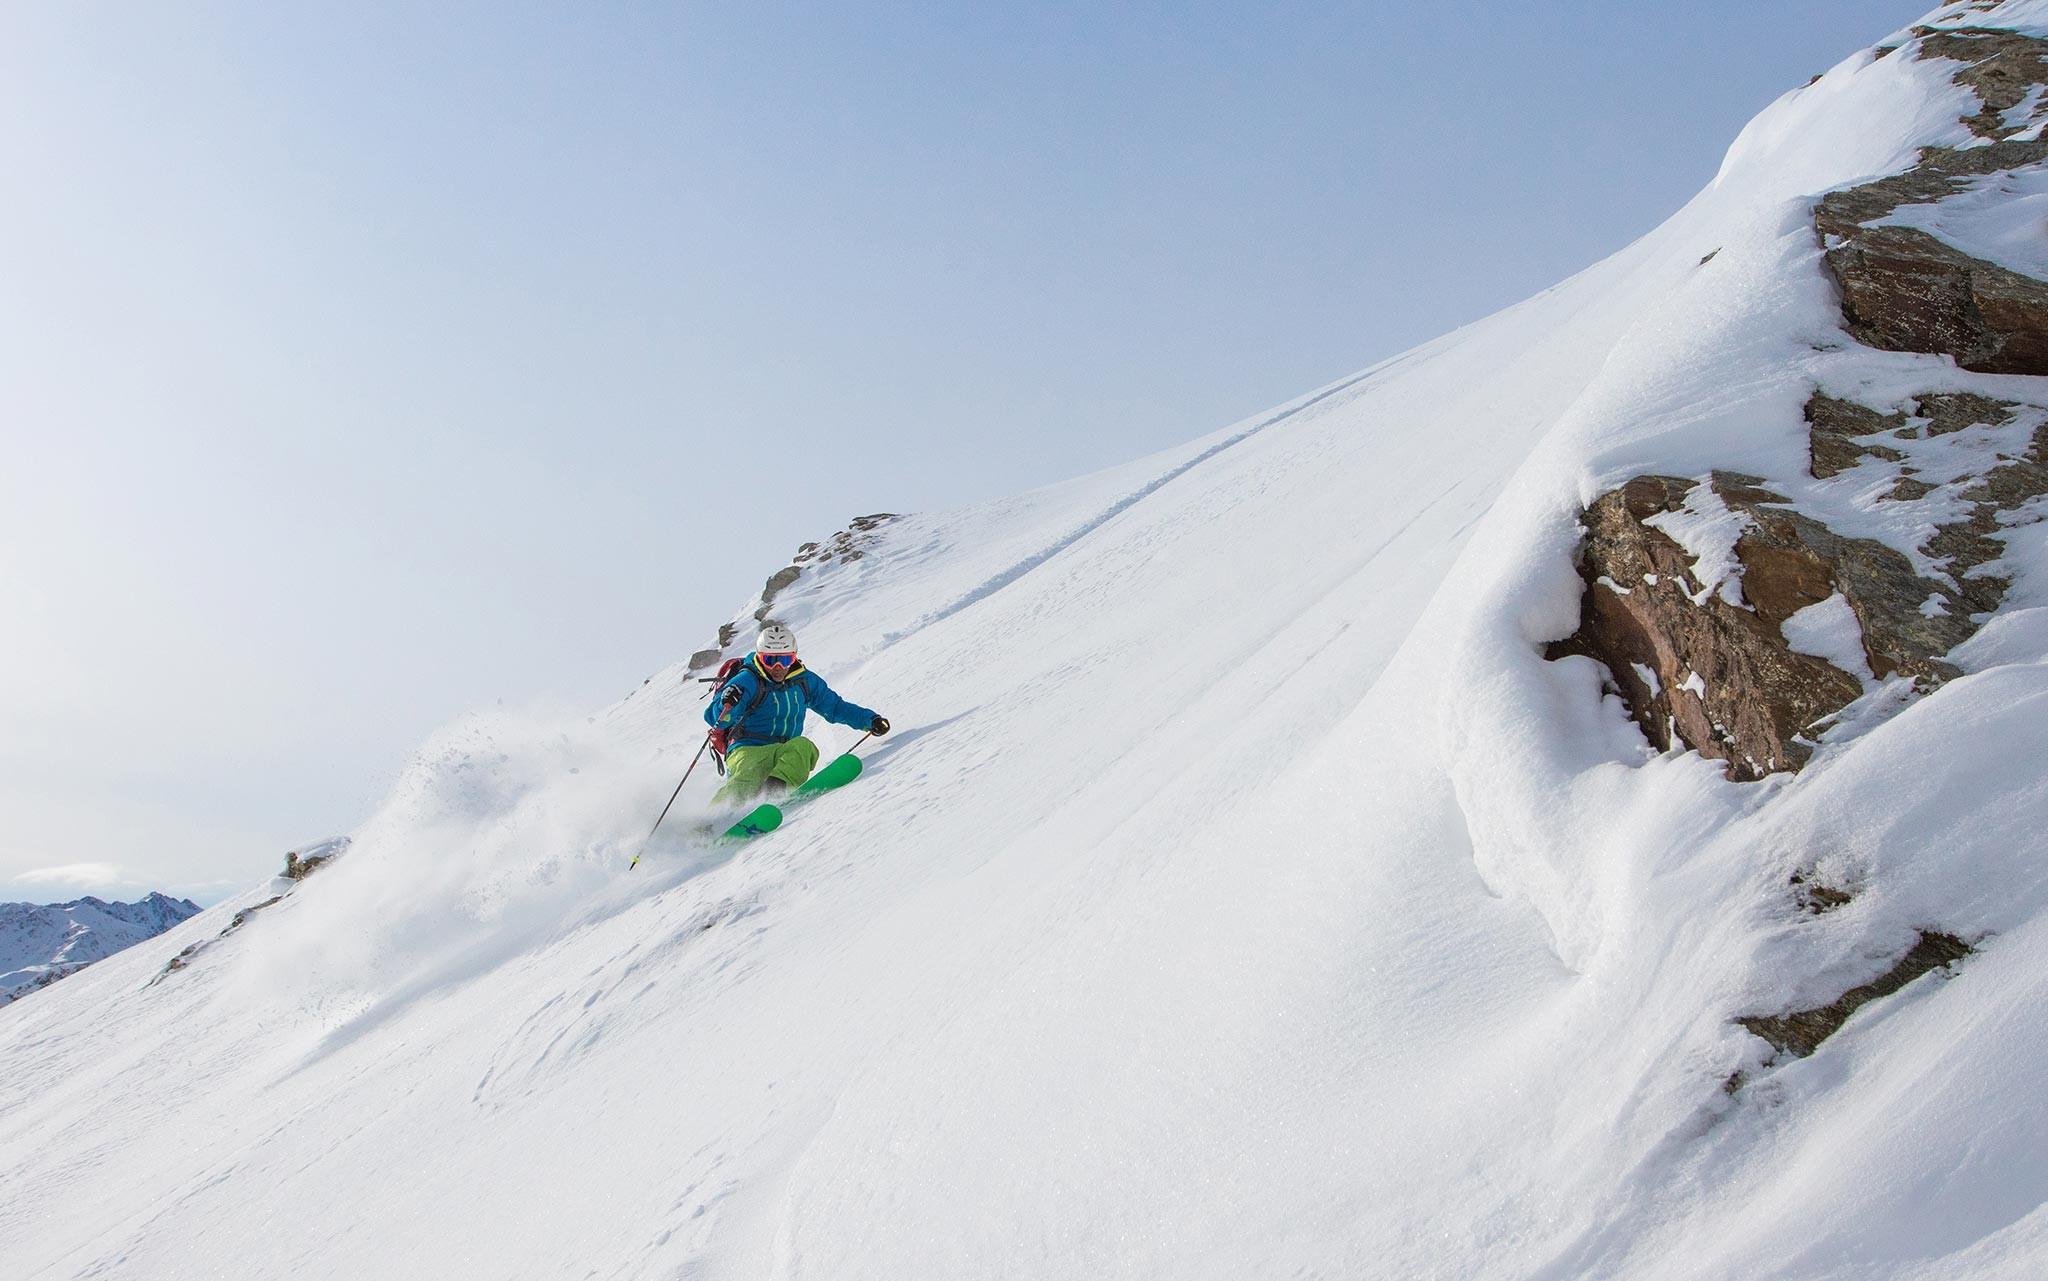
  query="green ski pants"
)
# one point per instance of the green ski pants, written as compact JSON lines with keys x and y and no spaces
{"x":747,"y":768}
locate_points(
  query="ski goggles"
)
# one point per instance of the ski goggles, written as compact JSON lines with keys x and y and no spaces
{"x":783,"y":661}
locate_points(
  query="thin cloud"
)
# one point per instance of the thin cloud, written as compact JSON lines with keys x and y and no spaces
{"x":88,"y":876}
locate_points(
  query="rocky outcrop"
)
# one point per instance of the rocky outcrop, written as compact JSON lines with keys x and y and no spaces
{"x":1800,"y":1033}
{"x":1693,"y":668}
{"x":1839,"y":431}
{"x":1706,"y":664}
{"x":298,"y":865}
{"x":1903,"y":288}
{"x":848,"y":545}
{"x":1742,"y":619}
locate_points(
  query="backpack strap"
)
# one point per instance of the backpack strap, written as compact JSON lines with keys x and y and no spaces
{"x":726,"y":674}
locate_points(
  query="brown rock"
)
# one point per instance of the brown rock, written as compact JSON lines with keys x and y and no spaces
{"x":1800,"y":1034}
{"x":1753,"y":697}
{"x":777,"y":581}
{"x":1961,"y":546}
{"x":702,"y":659}
{"x":1951,"y":411}
{"x":1906,"y":290}
{"x":2000,"y":66}
{"x":1835,"y":427}
{"x":1787,"y":555}
{"x":1720,"y":678}
{"x":848,"y":544}
{"x":298,"y":867}
{"x":1817,"y":898}
{"x":1979,"y":538}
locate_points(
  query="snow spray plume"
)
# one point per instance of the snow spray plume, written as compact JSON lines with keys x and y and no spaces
{"x":498,"y":826}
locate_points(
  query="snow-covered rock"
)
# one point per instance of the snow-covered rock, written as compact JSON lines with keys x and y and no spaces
{"x":1938,"y":479}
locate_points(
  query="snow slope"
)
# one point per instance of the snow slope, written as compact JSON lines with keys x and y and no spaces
{"x":1240,"y":895}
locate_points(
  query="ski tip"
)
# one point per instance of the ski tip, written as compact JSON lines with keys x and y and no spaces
{"x":759,"y":822}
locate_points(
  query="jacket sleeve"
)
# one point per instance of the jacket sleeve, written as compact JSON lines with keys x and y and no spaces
{"x":834,"y":708}
{"x":728,"y":703}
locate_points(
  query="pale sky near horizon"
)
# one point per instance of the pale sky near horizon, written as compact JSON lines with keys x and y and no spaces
{"x":363,"y":364}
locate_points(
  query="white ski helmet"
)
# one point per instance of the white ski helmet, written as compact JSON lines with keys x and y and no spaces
{"x":776,"y":639}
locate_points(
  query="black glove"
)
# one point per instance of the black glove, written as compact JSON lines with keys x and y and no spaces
{"x":879,"y":728}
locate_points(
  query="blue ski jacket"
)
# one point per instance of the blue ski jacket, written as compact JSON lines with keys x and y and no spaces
{"x":760,"y":710}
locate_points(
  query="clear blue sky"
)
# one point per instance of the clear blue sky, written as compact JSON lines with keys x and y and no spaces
{"x":363,"y":363}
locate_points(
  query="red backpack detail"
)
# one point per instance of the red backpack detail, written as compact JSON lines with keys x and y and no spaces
{"x":730,"y":668}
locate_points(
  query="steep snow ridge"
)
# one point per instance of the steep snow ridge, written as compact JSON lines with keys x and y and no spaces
{"x":1230,"y":437}
{"x":1009,"y":536}
{"x":1240,"y":895}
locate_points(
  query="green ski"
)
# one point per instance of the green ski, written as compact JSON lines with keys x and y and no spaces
{"x":839,"y":772}
{"x":760,"y":821}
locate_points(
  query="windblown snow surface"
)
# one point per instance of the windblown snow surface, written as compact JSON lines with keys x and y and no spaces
{"x":1241,"y":893}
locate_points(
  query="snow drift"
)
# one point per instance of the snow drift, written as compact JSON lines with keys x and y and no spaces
{"x":1244,"y":891}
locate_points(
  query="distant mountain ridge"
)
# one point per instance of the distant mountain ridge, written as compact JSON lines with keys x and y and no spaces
{"x":42,"y":942}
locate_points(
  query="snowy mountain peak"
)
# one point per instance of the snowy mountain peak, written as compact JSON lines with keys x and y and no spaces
{"x":41,"y":943}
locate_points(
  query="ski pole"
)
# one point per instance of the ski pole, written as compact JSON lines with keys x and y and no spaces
{"x":671,"y":801}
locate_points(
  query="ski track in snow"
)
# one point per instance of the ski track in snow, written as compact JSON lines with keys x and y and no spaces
{"x":1025,"y":566}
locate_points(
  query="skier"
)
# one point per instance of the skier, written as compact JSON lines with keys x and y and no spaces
{"x":757,"y":717}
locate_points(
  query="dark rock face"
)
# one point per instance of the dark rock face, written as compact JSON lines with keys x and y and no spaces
{"x":1788,"y":556}
{"x":2014,"y":476}
{"x":1720,"y":677}
{"x":1837,"y":428}
{"x":298,"y":865}
{"x":1799,"y":1034}
{"x":1978,"y":538}
{"x":1713,"y":670}
{"x":1707,"y":664}
{"x":2000,"y":66}
{"x":1693,"y":668}
{"x":1904,"y":289}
